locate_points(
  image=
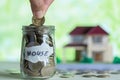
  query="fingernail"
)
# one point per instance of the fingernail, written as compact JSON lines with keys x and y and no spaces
{"x":38,"y":14}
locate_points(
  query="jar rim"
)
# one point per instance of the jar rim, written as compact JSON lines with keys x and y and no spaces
{"x":33,"y":28}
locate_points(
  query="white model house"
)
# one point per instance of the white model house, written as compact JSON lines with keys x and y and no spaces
{"x":92,"y":41}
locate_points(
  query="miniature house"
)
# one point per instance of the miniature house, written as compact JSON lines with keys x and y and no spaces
{"x":92,"y":42}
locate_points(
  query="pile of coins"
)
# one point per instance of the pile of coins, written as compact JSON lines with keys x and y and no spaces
{"x":39,"y":69}
{"x":34,"y":37}
{"x":88,"y":73}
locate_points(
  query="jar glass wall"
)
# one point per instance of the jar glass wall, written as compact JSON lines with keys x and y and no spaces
{"x":38,"y":52}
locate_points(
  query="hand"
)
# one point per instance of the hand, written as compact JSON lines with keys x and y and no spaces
{"x":39,"y":7}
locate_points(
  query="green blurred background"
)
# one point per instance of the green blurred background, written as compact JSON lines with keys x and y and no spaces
{"x":65,"y":15}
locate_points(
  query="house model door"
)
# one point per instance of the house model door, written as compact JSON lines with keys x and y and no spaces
{"x":98,"y":56}
{"x":78,"y":55}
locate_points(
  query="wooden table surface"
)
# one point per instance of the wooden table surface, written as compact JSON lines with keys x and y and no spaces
{"x":10,"y":71}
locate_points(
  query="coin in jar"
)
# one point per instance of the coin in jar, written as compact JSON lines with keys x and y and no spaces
{"x":31,"y":73}
{"x":48,"y":71}
{"x":35,"y":66}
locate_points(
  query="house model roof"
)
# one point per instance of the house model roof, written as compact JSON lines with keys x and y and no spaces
{"x":88,"y":30}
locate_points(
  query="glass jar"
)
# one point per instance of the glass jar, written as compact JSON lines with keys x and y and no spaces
{"x":38,"y":52}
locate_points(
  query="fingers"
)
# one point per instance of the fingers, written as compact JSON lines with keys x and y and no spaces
{"x":38,"y":14}
{"x":36,"y":5}
{"x":39,"y":7}
{"x":48,"y":2}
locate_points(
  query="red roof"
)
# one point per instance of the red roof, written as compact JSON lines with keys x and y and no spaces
{"x":89,"y":30}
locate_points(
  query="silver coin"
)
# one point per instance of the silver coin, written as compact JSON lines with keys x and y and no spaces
{"x":88,"y":75}
{"x":79,"y":73}
{"x":114,"y":72}
{"x":86,"y":72}
{"x":51,"y":61}
{"x":35,"y":66}
{"x":102,"y":72}
{"x":31,"y":73}
{"x":61,"y":71}
{"x":47,"y":71}
{"x":49,"y":41}
{"x":66,"y":75}
{"x":102,"y":76}
{"x":25,"y":63}
{"x":39,"y":37}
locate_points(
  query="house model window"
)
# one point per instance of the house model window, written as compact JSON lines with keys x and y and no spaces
{"x":97,"y":39}
{"x":77,"y":39}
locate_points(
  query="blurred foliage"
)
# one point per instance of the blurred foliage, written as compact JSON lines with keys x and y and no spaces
{"x":64,"y":14}
{"x":116,"y":60}
{"x":86,"y":59}
{"x":58,"y":60}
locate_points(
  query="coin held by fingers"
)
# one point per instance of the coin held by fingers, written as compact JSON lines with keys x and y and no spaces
{"x":39,"y":8}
